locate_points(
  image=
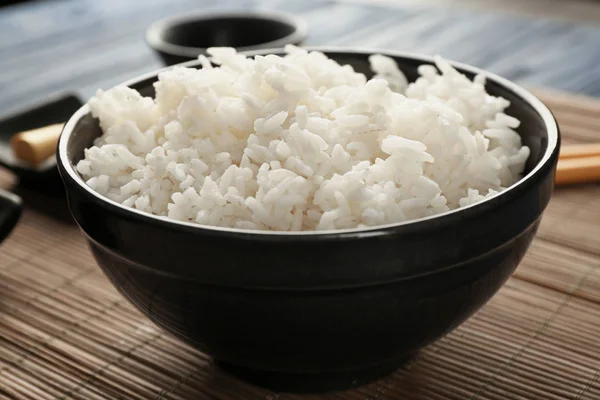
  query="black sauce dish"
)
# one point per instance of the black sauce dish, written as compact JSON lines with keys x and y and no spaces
{"x":45,"y":177}
{"x":184,"y":37}
{"x":54,"y":109}
{"x":11,"y":207}
{"x":317,"y":311}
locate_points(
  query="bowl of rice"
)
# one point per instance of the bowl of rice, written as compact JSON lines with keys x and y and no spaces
{"x":310,"y":218}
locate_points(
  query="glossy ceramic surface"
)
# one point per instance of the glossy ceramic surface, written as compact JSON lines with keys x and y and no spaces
{"x":183,"y":38}
{"x":329,"y":309}
{"x":11,"y":207}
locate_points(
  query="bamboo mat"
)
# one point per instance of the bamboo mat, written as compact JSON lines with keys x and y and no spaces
{"x":65,"y":333}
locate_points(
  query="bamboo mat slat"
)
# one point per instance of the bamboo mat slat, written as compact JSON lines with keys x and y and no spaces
{"x":65,"y":333}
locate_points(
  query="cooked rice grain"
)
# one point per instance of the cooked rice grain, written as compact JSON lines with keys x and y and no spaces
{"x":302,"y":143}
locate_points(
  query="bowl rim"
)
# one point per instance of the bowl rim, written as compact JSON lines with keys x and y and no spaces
{"x":67,"y":169}
{"x":155,"y":40}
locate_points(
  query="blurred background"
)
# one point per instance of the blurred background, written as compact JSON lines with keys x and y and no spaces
{"x":80,"y":45}
{"x":578,"y":10}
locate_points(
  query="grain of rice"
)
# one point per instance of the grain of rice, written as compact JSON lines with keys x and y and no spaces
{"x":300,"y":142}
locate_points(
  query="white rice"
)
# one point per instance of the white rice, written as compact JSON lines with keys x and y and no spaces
{"x":302,"y":143}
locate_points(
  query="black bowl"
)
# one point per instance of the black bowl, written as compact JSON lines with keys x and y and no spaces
{"x":184,"y":37}
{"x":331,"y":309}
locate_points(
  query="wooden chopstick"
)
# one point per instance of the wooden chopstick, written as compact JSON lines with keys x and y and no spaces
{"x":578,"y":170}
{"x":36,"y":145}
{"x":580,"y":150}
{"x":578,"y":164}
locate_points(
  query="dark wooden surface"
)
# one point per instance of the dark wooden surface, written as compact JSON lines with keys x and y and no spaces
{"x":49,"y":46}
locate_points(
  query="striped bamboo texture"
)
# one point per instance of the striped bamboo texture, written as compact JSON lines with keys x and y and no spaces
{"x":65,"y":333}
